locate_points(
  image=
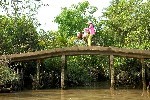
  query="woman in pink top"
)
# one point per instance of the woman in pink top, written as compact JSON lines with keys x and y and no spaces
{"x":91,"y":32}
{"x":91,"y":28}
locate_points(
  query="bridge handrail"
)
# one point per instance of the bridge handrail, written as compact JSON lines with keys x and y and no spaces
{"x":80,"y":50}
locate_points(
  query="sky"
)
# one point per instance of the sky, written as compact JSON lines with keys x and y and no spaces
{"x":46,"y":13}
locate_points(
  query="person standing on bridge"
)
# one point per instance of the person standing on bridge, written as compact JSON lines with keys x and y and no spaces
{"x":91,"y":32}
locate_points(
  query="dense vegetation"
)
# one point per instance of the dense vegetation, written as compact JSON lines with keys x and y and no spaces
{"x":124,"y":24}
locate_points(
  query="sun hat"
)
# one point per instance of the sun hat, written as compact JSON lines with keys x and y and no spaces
{"x":89,"y":22}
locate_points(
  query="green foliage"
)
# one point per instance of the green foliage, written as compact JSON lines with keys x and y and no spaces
{"x":17,"y":8}
{"x":51,"y":40}
{"x":89,"y":65}
{"x":18,"y":26}
{"x":128,"y":23}
{"x":52,"y":64}
{"x":7,"y":74}
{"x":17,"y":36}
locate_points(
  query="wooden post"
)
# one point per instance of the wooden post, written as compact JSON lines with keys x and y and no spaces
{"x":63,"y":71}
{"x":17,"y":71}
{"x":112,"y":71}
{"x":143,"y":75}
{"x":22,"y":80}
{"x":38,"y":74}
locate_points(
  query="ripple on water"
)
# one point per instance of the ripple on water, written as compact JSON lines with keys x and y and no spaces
{"x":75,"y":94}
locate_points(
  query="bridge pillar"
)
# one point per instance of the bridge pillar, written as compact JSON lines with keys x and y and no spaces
{"x":112,"y":74}
{"x":143,"y":75}
{"x":63,"y":71}
{"x":38,"y":74}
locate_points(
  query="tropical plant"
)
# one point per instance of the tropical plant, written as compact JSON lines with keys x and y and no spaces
{"x":127,"y":22}
{"x":17,"y":36}
{"x":7,"y":75}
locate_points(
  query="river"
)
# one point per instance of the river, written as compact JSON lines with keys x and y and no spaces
{"x":77,"y":94}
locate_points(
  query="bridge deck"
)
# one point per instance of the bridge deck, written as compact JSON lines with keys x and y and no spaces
{"x":81,"y":50}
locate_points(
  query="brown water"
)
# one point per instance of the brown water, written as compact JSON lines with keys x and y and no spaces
{"x":76,"y":94}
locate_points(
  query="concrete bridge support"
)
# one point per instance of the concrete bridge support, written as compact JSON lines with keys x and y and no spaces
{"x":38,"y":74}
{"x":63,"y":72}
{"x":112,"y":72}
{"x":143,"y":75}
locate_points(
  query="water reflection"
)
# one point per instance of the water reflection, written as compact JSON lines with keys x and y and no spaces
{"x":76,"y":94}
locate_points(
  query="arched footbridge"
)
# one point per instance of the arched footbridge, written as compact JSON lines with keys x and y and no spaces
{"x":82,"y":50}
